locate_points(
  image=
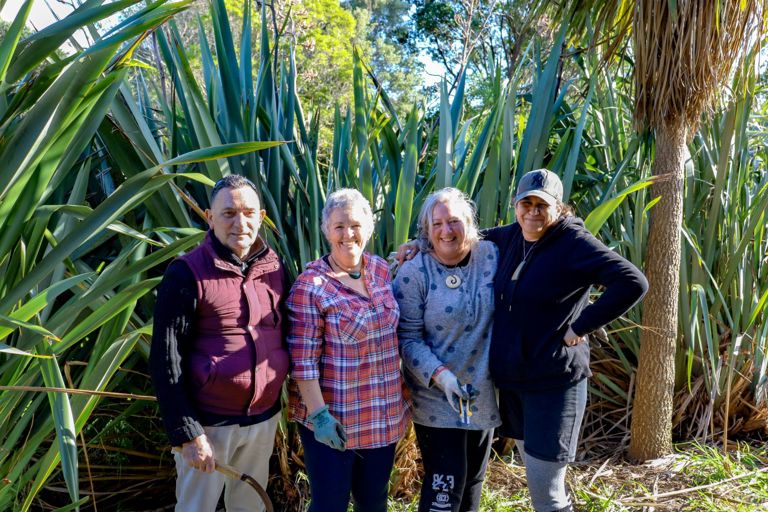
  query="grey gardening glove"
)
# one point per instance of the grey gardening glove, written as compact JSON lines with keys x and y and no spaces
{"x":327,"y":429}
{"x":449,"y":383}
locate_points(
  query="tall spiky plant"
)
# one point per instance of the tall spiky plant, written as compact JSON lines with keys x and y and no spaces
{"x":53,"y":302}
{"x":683,"y":52}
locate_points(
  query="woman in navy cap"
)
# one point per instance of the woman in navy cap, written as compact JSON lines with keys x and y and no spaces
{"x":539,"y":357}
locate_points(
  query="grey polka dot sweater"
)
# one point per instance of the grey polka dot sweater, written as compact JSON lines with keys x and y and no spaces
{"x":447,"y":326}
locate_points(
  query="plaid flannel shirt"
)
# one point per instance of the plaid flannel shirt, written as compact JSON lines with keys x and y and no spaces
{"x":349,"y":343}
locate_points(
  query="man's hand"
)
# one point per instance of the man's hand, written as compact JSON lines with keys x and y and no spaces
{"x":327,"y":429}
{"x":451,"y":386}
{"x":571,"y":338}
{"x":198,"y":453}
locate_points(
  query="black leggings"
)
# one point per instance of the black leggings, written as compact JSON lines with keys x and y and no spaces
{"x":454,"y":461}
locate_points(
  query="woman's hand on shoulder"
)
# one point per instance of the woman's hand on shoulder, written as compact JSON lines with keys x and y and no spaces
{"x":405,"y":252}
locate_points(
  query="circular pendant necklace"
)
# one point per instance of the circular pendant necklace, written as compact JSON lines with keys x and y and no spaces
{"x":452,"y":281}
{"x":455,"y":274}
{"x":353,"y":274}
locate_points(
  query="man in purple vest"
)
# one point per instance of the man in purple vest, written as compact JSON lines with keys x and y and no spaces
{"x":218,"y":360}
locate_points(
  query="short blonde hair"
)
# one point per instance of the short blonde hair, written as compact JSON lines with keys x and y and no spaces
{"x":457,"y":199}
{"x":348,"y":198}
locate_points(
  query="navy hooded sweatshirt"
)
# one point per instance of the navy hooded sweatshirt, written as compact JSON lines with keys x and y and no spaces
{"x":551,"y":293}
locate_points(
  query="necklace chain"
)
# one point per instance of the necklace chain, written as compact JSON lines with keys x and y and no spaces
{"x":520,"y":265}
{"x":446,"y":265}
{"x":354,"y":274}
{"x":528,"y":251}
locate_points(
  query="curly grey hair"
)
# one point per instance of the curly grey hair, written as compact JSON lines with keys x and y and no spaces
{"x":346,"y":198}
{"x":462,"y":204}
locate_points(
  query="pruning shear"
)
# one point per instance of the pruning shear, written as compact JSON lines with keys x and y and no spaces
{"x":465,"y":405}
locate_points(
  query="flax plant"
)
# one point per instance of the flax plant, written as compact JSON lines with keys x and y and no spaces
{"x":79,"y":262}
{"x":55,"y":296}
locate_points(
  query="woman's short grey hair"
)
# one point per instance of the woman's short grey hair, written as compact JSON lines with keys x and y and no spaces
{"x":347,"y":198}
{"x":461,"y":204}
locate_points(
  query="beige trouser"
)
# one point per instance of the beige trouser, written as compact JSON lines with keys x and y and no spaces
{"x":247,"y":449}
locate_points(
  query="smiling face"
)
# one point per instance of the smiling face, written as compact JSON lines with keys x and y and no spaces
{"x":235,"y":217}
{"x":535,"y":216}
{"x":447,"y":234}
{"x":346,"y":235}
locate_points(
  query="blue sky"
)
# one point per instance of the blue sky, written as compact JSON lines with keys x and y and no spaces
{"x":40,"y":16}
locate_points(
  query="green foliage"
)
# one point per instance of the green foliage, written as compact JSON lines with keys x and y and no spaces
{"x":79,"y":257}
{"x":481,"y":36}
{"x":53,"y":299}
{"x":386,"y":44}
{"x":437,"y":21}
{"x":325,"y":35}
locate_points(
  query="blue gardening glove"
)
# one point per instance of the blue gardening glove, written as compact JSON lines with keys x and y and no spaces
{"x":327,"y":429}
{"x":450,"y":385}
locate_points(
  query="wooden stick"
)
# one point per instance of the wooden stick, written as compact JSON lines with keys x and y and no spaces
{"x":670,"y":494}
{"x":234,"y":474}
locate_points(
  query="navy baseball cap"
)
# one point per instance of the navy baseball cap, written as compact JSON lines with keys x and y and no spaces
{"x":541,"y":183}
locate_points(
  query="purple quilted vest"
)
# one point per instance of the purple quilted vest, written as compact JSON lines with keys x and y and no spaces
{"x":238,"y":361}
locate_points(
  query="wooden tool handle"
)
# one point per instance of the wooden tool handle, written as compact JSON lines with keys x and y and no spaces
{"x":234,"y":474}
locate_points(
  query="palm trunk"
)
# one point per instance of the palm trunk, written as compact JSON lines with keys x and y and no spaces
{"x":652,"y":411}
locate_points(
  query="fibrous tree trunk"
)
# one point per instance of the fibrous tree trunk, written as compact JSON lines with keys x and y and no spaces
{"x":652,"y":412}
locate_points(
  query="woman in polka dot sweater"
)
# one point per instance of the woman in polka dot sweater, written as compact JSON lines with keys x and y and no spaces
{"x":445,"y":294}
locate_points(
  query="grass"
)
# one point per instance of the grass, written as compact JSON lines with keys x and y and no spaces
{"x":697,"y":478}
{"x":493,"y":500}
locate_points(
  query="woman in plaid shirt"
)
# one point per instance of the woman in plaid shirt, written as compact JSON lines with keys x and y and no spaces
{"x":346,"y":389}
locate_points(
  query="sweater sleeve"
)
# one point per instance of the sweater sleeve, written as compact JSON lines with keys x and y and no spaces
{"x":410,"y":289}
{"x":494,"y":235}
{"x":624,"y":284}
{"x":171,"y":335}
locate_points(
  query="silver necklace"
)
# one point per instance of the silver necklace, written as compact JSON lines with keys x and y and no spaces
{"x":526,"y":253}
{"x":516,"y":273}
